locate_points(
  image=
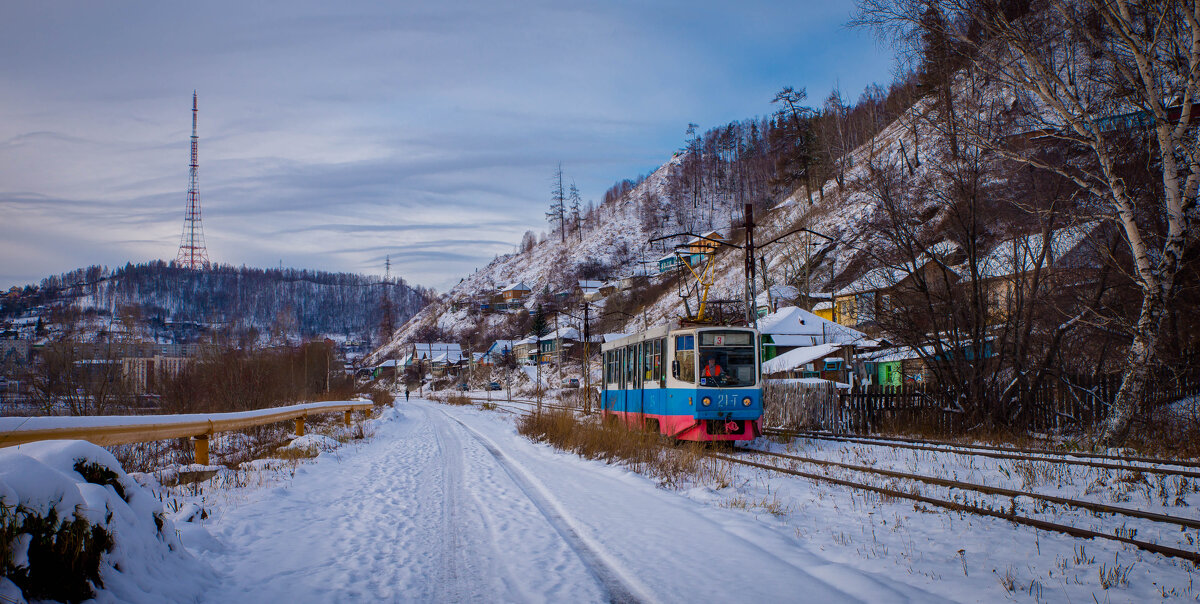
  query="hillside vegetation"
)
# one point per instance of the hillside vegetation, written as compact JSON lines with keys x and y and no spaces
{"x":163,"y":300}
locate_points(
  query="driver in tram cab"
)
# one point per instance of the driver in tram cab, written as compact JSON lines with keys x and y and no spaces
{"x":712,"y":371}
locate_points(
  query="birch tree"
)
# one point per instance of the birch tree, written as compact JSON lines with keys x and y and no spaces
{"x":1112,"y":79}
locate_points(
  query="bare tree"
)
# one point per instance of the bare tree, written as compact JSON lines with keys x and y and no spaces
{"x":558,"y":208}
{"x":1113,"y":78}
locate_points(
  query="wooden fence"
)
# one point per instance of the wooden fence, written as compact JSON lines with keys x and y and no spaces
{"x":799,"y":406}
{"x":1060,"y":405}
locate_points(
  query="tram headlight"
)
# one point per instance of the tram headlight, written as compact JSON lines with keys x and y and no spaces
{"x":706,"y":401}
{"x":746,"y":401}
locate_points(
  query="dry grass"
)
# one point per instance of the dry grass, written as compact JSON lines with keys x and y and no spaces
{"x":458,"y":399}
{"x":643,"y":452}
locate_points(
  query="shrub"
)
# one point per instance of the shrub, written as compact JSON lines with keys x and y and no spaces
{"x":62,"y":558}
{"x":101,"y":475}
{"x":458,"y":399}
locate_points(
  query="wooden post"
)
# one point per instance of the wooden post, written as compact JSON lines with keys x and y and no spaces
{"x":349,"y":417}
{"x":299,"y":426}
{"x":201,"y":445}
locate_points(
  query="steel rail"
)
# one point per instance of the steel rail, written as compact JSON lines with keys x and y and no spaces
{"x":992,"y":454}
{"x":953,"y":505}
{"x":1080,"y":454}
{"x":990,"y":490}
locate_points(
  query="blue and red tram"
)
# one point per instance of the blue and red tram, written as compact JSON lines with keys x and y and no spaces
{"x":690,"y":383}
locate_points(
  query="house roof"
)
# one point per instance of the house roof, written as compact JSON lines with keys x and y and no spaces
{"x":795,"y":321}
{"x":708,"y":235}
{"x":499,"y":345}
{"x":794,"y":359}
{"x":884,"y":277}
{"x":875,"y":279}
{"x":517,"y":287}
{"x":1021,"y":254}
{"x":900,"y":353}
{"x":435,"y":347}
{"x":569,"y":333}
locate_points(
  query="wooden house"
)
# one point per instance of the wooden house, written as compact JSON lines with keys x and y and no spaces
{"x":517,"y":292}
{"x":1014,"y":262}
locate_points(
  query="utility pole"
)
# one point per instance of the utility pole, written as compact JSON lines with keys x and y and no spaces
{"x":751,"y":311}
{"x":587,"y":372}
{"x":762,"y":261}
{"x":808,"y":305}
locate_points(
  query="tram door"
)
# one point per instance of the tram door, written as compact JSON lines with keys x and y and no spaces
{"x":637,"y":393}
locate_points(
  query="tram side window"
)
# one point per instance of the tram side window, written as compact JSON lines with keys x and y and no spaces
{"x":659,"y":374}
{"x":630,"y":366}
{"x":612,"y":371}
{"x":685,"y":357}
{"x":652,"y":360}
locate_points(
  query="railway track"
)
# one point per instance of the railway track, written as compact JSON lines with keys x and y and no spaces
{"x":1038,"y":523}
{"x":1080,"y":454}
{"x":1093,"y":460}
{"x":1182,"y":523}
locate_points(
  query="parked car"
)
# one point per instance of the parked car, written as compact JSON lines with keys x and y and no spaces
{"x":494,"y":386}
{"x":462,"y":387}
{"x":570,"y":382}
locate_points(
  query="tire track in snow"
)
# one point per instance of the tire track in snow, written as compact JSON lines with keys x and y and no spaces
{"x":451,"y":558}
{"x":620,"y":586}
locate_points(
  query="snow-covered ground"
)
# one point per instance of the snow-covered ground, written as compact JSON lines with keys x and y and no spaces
{"x":450,"y":503}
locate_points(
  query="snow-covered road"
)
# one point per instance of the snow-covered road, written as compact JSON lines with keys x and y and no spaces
{"x":450,"y":504}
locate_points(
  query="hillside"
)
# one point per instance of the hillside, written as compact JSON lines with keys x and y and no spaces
{"x":886,"y":201}
{"x":620,"y":247}
{"x":172,"y":304}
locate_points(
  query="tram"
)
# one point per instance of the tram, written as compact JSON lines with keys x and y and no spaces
{"x":689,"y":383}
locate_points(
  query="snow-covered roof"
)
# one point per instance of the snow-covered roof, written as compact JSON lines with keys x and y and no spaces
{"x":517,"y":287}
{"x":1021,"y":254}
{"x":795,"y":321}
{"x":706,"y":237}
{"x":892,"y":354}
{"x":498,"y":346}
{"x":794,"y":359}
{"x":589,"y":286}
{"x":877,"y":278}
{"x":569,"y":333}
{"x":884,"y":277}
{"x":793,"y":340}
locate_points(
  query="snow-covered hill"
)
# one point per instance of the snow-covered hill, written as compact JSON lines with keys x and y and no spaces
{"x":847,"y":212}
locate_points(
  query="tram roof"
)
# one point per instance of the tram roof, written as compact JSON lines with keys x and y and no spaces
{"x":659,"y":331}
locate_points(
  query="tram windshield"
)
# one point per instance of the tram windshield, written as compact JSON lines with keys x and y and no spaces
{"x":727,"y":359}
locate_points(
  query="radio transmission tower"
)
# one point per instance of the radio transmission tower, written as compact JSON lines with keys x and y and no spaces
{"x":192,"y":252}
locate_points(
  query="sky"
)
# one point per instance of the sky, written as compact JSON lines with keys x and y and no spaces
{"x":333,"y":135}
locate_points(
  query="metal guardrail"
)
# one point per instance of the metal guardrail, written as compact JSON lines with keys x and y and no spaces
{"x":107,"y":430}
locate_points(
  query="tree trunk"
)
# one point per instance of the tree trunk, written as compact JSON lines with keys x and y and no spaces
{"x":1137,"y":371}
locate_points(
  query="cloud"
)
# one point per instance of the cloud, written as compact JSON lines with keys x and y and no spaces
{"x":333,"y":135}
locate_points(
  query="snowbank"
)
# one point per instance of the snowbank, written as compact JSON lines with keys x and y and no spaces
{"x":146,"y":561}
{"x":311,"y":445}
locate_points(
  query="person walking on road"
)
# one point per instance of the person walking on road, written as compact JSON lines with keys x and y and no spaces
{"x":406,"y":391}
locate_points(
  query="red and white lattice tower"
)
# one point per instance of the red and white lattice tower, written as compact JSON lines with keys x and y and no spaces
{"x":192,"y":252}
